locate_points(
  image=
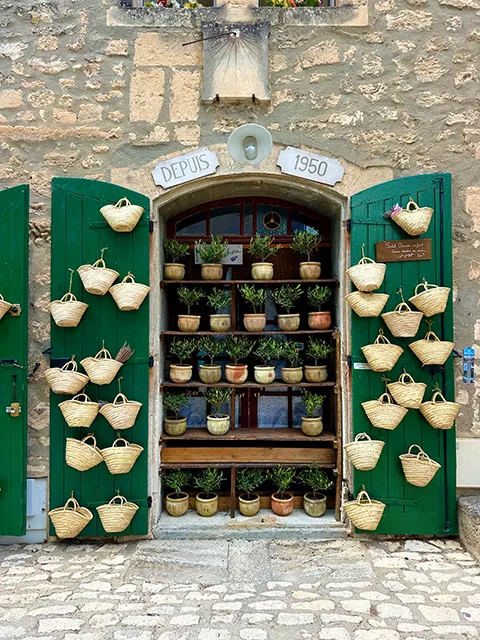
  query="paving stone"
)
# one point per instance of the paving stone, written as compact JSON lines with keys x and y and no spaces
{"x":334,"y":633}
{"x":294,"y":619}
{"x":388,"y":610}
{"x":253,"y":634}
{"x":439,"y":614}
{"x":185,"y":620}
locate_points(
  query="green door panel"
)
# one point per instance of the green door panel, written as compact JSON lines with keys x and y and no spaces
{"x":14,"y":205}
{"x":410,"y":510}
{"x":79,"y":232}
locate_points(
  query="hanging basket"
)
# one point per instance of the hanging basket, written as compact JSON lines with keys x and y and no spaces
{"x":82,"y":456}
{"x":402,"y":321}
{"x":123,"y":216}
{"x":440,"y":414}
{"x":69,"y":521}
{"x":101,"y":369}
{"x":364,"y":452}
{"x":67,"y":380}
{"x":406,"y":392}
{"x":96,"y":278}
{"x":367,"y":275}
{"x":121,"y":413}
{"x":383,"y":413}
{"x":432,"y":350}
{"x":129,"y":294}
{"x":419,"y":469}
{"x":414,"y":220}
{"x":68,"y":311}
{"x":365,"y":513}
{"x":80,"y":411}
{"x":4,"y":306}
{"x":116,"y":517}
{"x":432,"y":300}
{"x":367,"y":305}
{"x":120,"y":459}
{"x":382,"y":355}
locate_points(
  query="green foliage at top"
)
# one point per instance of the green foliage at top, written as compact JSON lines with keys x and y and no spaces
{"x":210,"y":346}
{"x":287,"y":295}
{"x":183,"y":348}
{"x":262,"y":247}
{"x":218,"y":298}
{"x":209,"y":480}
{"x":254,"y":296}
{"x":315,"y":478}
{"x":306,"y":242}
{"x":318,"y":295}
{"x":282,"y":478}
{"x":289,"y":351}
{"x":175,"y":249}
{"x":214,"y":252}
{"x":239,"y":347}
{"x":177,"y":479}
{"x":174,"y":402}
{"x":267,"y":349}
{"x":312,"y":403}
{"x":190,"y":296}
{"x":216,"y":396}
{"x":250,"y":479}
{"x":317,"y":349}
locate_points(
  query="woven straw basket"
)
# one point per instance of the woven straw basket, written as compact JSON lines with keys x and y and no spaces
{"x":123,"y":216}
{"x":69,"y":521}
{"x":382,"y":355}
{"x":129,"y":294}
{"x":120,"y":459}
{"x":122,"y":412}
{"x":402,"y":321}
{"x":432,"y":300}
{"x":96,"y":278}
{"x":432,"y":350}
{"x":82,"y":456}
{"x":80,"y":411}
{"x":365,"y":513}
{"x":101,"y":369}
{"x":383,"y":414}
{"x":367,"y":305}
{"x":364,"y":452}
{"x":418,"y":469}
{"x":440,"y":415}
{"x":115,"y":517}
{"x":68,"y":311}
{"x":414,"y":220}
{"x":4,"y":306}
{"x":406,"y":392}
{"x":66,"y":380}
{"x":367,"y":275}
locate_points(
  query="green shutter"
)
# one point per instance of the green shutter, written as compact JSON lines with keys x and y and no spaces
{"x":13,"y":349}
{"x":79,"y":232}
{"x":410,"y":510}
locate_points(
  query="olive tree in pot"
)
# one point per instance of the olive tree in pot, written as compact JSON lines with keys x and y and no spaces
{"x":317,"y":296}
{"x":238,"y":348}
{"x":282,"y":500}
{"x":262,"y":248}
{"x":286,"y":296}
{"x":190,"y":297}
{"x":183,"y":349}
{"x":289,"y":352}
{"x":267,"y":349}
{"x":209,"y":481}
{"x":175,"y":250}
{"x":211,"y":347}
{"x":247,"y":481}
{"x":173,"y":403}
{"x":306,"y":242}
{"x":217,"y":423}
{"x":317,"y":350}
{"x":176,"y":503}
{"x":314,"y":502}
{"x":255,"y":297}
{"x":219,"y":300}
{"x":211,"y":256}
{"x":312,"y":424}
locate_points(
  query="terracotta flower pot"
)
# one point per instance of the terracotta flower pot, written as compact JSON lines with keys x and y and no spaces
{"x":288,"y":321}
{"x":249,"y":507}
{"x":262,"y":270}
{"x":220,"y":322}
{"x":264,"y":374}
{"x":310,"y":270}
{"x":315,"y":507}
{"x":173,"y":271}
{"x":210,"y":373}
{"x":212,"y":271}
{"x":218,"y":426}
{"x":177,"y":504}
{"x":180,"y":373}
{"x":282,"y":507}
{"x":189,"y":324}
{"x":316,"y":373}
{"x":254,"y":321}
{"x":312,"y":426}
{"x":206,"y":504}
{"x":319,"y":319}
{"x":175,"y":427}
{"x":236,"y":373}
{"x":292,"y":375}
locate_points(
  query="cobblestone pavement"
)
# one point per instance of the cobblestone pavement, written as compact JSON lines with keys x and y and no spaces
{"x":218,"y":590}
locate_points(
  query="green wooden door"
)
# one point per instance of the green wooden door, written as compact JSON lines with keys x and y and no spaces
{"x":410,"y":510}
{"x":79,"y":232}
{"x":13,"y":359}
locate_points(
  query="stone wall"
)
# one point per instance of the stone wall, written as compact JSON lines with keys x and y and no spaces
{"x":80,"y":97}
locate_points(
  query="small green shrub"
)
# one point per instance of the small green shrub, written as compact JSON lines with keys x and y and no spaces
{"x":177,"y":479}
{"x":214,"y":252}
{"x":318,"y":295}
{"x":267,"y":349}
{"x":190,"y":296}
{"x":287,"y":295}
{"x":209,"y":480}
{"x":250,"y":479}
{"x":175,"y":249}
{"x":210,"y":346}
{"x":312,"y":403}
{"x":216,"y":397}
{"x":318,"y":349}
{"x":282,"y":478}
{"x":174,"y":402}
{"x":262,"y":248}
{"x":306,"y":242}
{"x":315,"y":478}
{"x":183,"y":348}
{"x":218,"y":299}
{"x":289,"y":351}
{"x":254,"y":296}
{"x":239,"y":347}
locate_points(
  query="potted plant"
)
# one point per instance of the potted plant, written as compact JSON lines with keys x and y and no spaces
{"x":176,"y":503}
{"x":190,"y":297}
{"x":217,"y":423}
{"x":267,"y":349}
{"x":316,"y":350}
{"x":211,"y":347}
{"x":289,"y":352}
{"x":174,"y":250}
{"x":261,"y":247}
{"x":173,"y":403}
{"x":317,"y":296}
{"x":306,"y":242}
{"x":286,"y":296}
{"x":211,"y":256}
{"x":281,"y":500}
{"x":314,"y":502}
{"x":219,"y":299}
{"x":312,"y":424}
{"x":183,"y":349}
{"x":209,"y":481}
{"x":238,"y":348}
{"x":247,"y":481}
{"x":255,"y":297}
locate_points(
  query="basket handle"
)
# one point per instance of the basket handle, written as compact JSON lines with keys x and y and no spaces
{"x":413,"y":204}
{"x":68,"y":297}
{"x":361,"y":495}
{"x":387,"y":396}
{"x":74,"y":502}
{"x":129,"y":278}
{"x":119,"y":203}
{"x":421,"y":453}
{"x":90,"y":437}
{"x":70,"y":362}
{"x":366,"y":260}
{"x":425,"y":286}
{"x":403,"y":308}
{"x":81,"y":395}
{"x":103,"y":353}
{"x":123,"y":398}
{"x":127,"y":444}
{"x":121,"y":498}
{"x":430,"y":335}
{"x":405,"y":376}
{"x":362,"y":436}
{"x":1,"y":297}
{"x":436,"y":395}
{"x":381,"y":339}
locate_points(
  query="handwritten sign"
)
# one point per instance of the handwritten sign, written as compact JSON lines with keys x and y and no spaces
{"x":190,"y":166}
{"x":311,"y":166}
{"x":234,"y":255}
{"x":404,"y":250}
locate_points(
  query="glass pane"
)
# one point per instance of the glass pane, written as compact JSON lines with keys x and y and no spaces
{"x":248,"y":219}
{"x":302,"y":222}
{"x":273,"y":411}
{"x":225,"y":221}
{"x":195,"y":225}
{"x":271,"y":220}
{"x":195,"y":412}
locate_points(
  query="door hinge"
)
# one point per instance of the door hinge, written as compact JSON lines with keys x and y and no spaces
{"x":349,"y":361}
{"x":151,"y":362}
{"x":149,"y":502}
{"x":348,"y":224}
{"x":150,"y":226}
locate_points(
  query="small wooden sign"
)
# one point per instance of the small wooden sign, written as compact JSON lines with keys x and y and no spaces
{"x":404,"y":250}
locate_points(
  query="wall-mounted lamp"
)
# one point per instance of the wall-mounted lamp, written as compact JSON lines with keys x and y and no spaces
{"x":250,"y":144}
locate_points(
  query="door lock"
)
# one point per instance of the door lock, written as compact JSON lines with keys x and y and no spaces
{"x":14,"y":410}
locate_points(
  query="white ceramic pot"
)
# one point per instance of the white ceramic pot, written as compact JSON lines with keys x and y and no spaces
{"x":218,"y":426}
{"x":262,"y":270}
{"x":220,"y":322}
{"x":264,"y":374}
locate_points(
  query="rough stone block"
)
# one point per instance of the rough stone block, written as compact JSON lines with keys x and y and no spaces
{"x":11,"y":99}
{"x":184,"y":100}
{"x":146,"y":95}
{"x":151,"y":50}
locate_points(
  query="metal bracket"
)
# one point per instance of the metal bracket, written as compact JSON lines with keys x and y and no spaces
{"x":15,"y":310}
{"x":14,"y":410}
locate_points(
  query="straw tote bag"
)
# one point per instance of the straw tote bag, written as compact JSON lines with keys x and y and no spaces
{"x":419,"y":469}
{"x":116,"y":516}
{"x":438,"y":412}
{"x":70,"y":520}
{"x":80,"y":411}
{"x":4,"y":306}
{"x":101,"y":369}
{"x":123,"y":216}
{"x":129,"y":294}
{"x":414,"y":220}
{"x":432,"y":300}
{"x":406,"y":392}
{"x":382,"y":355}
{"x":365,"y":513}
{"x":432,"y":350}
{"x":367,"y":305}
{"x":122,"y":412}
{"x":96,"y":277}
{"x":364,"y":452}
{"x":120,"y":459}
{"x":67,"y":380}
{"x":367,"y":275}
{"x":82,"y":456}
{"x":402,"y":321}
{"x":68,"y":311}
{"x":383,"y":413}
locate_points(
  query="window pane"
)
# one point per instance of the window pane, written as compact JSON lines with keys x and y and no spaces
{"x":225,"y":221}
{"x":271,"y":220}
{"x":195,"y":225}
{"x":248,"y":219}
{"x":301,"y":222}
{"x":195,"y":412}
{"x":272,"y":411}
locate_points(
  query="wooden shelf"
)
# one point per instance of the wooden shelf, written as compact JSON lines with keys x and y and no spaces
{"x":277,"y":435}
{"x":250,"y":452}
{"x":241,"y":465}
{"x":251,"y":281}
{"x":300,"y":332}
{"x":246,"y":385}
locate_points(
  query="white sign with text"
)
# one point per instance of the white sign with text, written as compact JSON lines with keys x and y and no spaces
{"x":234,"y":255}
{"x":190,"y":166}
{"x":310,"y":166}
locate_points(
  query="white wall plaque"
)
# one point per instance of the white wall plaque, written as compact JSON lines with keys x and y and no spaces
{"x":311,"y":166}
{"x":234,"y":256}
{"x":190,"y":166}
{"x":362,"y":365}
